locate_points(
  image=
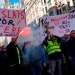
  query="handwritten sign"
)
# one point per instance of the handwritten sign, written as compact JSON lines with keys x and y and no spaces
{"x":11,"y":22}
{"x":57,"y":25}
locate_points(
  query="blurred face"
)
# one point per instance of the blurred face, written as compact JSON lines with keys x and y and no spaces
{"x":3,"y":48}
{"x":66,"y":36}
{"x":73,"y":34}
{"x":52,"y":37}
{"x":14,"y":40}
{"x":48,"y":35}
{"x":24,"y":44}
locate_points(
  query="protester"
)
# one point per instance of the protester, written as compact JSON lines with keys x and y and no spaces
{"x":64,"y":49}
{"x":64,"y":44}
{"x":71,"y":51}
{"x":36,"y":56}
{"x":14,"y":57}
{"x":3,"y":60}
{"x":26,"y":62}
{"x":54,"y":54}
{"x":24,"y":47}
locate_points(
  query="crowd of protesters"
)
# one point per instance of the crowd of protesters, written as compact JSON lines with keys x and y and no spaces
{"x":55,"y":55}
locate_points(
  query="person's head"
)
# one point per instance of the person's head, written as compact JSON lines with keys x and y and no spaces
{"x":66,"y":36}
{"x":52,"y":37}
{"x":48,"y":35}
{"x":72,"y":34}
{"x":14,"y":40}
{"x":3,"y":48}
{"x":25,"y":43}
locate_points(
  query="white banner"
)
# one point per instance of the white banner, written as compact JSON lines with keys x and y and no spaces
{"x":57,"y":25}
{"x":11,"y":22}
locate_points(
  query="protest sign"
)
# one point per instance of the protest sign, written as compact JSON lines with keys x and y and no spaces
{"x":57,"y":25}
{"x":11,"y":22}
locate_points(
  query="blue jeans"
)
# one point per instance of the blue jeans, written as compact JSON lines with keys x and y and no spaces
{"x":53,"y":65}
{"x":36,"y":68}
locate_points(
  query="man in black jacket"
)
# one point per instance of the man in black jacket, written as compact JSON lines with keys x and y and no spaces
{"x":14,"y":57}
{"x":71,"y":51}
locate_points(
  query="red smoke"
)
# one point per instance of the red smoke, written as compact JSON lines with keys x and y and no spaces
{"x":26,"y":31}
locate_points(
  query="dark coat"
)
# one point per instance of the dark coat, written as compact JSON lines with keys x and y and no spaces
{"x":12,"y":55}
{"x":71,"y":46}
{"x":64,"y":46}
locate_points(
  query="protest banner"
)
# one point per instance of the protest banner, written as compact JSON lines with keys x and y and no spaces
{"x":57,"y":25}
{"x":11,"y":22}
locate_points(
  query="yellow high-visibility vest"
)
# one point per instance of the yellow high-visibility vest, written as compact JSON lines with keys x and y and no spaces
{"x":53,"y":47}
{"x":19,"y":61}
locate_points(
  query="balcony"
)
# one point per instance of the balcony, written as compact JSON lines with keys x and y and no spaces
{"x":72,"y":9}
{"x":52,"y":4}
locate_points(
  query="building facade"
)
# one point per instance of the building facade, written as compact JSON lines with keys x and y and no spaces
{"x":57,"y":7}
{"x":34,"y":10}
{"x":38,"y":8}
{"x":7,"y":5}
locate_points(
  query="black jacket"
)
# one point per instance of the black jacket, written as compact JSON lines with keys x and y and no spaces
{"x":56,"y":55}
{"x":71,"y":46}
{"x":46,"y":38}
{"x":64,"y":46}
{"x":12,"y":55}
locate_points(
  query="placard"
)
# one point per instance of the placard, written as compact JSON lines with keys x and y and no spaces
{"x":11,"y":22}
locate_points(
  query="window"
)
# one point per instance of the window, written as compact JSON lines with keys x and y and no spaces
{"x":64,"y":8}
{"x":68,"y":4}
{"x":46,"y":9}
{"x":45,"y":1}
{"x":60,"y":11}
{"x":6,"y":1}
{"x":43,"y":10}
{"x":30,"y":11}
{"x":38,"y":17}
{"x":33,"y":14}
{"x":41,"y":2}
{"x":57,"y":12}
{"x":74,"y":2}
{"x":37,"y":11}
{"x":51,"y":13}
{"x":49,"y":2}
{"x":26,"y":7}
{"x":21,"y":4}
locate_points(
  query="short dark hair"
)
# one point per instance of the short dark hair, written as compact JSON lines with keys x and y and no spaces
{"x":72,"y":31}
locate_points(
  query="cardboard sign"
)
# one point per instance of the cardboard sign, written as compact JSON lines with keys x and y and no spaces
{"x":11,"y":22}
{"x":57,"y":25}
